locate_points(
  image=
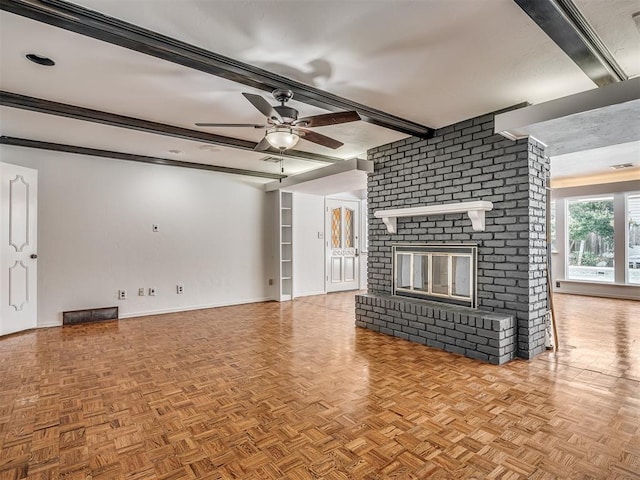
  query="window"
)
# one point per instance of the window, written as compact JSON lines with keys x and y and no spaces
{"x":633,"y":238}
{"x":591,"y":239}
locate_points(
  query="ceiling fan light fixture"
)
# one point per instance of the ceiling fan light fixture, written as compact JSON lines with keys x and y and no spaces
{"x":282,"y":138}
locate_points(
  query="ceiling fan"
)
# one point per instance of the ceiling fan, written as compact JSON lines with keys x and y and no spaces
{"x":284,"y":128}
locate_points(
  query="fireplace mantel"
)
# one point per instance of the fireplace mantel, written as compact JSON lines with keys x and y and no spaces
{"x":475,"y":210}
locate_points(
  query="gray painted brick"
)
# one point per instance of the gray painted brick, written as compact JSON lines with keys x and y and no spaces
{"x":477,"y":355}
{"x":465,"y":328}
{"x":456,"y":166}
{"x":454,"y":349}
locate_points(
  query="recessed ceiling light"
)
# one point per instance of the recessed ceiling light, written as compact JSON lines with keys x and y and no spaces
{"x":40,"y":60}
{"x":621,"y":166}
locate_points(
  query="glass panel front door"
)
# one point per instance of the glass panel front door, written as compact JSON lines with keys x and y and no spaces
{"x":343,"y":268}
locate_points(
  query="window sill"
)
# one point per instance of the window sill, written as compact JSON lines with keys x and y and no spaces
{"x":593,"y":282}
{"x":599,"y":289}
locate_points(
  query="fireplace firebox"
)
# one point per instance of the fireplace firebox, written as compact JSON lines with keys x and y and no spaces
{"x":438,"y":272}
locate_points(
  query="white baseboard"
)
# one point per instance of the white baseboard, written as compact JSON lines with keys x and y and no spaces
{"x":604,"y":290}
{"x":49,"y":325}
{"x":194,"y":307}
{"x":309,"y":294}
{"x":173,"y":310}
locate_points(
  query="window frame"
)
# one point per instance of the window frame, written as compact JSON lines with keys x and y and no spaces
{"x":621,"y":239}
{"x":627,"y":247}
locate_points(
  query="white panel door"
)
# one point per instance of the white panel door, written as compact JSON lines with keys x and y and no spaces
{"x":342,"y":227}
{"x":18,"y":236}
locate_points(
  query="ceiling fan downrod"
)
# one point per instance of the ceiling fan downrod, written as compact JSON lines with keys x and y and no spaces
{"x":282,"y":95}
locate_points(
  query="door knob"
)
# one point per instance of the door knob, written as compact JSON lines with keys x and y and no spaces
{"x":34,"y":256}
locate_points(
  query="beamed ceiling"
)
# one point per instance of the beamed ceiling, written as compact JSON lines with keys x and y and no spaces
{"x":133,"y":77}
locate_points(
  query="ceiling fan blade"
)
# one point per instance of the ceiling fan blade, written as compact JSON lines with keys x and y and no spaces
{"x":252,"y":125}
{"x":265,"y":108}
{"x":320,"y":139}
{"x":328,"y":119}
{"x":263,"y":145}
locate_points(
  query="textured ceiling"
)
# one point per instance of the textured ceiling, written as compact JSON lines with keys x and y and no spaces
{"x":434,"y":62}
{"x":596,"y":161}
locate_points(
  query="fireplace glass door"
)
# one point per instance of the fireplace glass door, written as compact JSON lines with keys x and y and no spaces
{"x":436,"y":272}
{"x":440,"y":274}
{"x":421,"y":273}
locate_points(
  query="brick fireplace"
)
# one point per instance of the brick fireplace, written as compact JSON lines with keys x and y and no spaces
{"x":465,"y":162}
{"x":439,"y":272}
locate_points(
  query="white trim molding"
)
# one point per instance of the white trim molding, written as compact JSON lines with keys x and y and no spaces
{"x":475,"y":210}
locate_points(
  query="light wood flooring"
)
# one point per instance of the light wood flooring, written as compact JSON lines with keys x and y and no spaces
{"x":295,"y":391}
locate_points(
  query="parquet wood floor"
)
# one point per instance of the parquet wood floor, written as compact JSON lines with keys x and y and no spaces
{"x":295,"y":391}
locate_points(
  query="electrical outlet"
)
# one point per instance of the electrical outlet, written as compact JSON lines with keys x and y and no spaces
{"x":270,"y":281}
{"x":122,"y":294}
{"x":155,"y":227}
{"x":152,"y":292}
{"x":179,"y":289}
{"x":141,"y":291}
{"x":557,"y":284}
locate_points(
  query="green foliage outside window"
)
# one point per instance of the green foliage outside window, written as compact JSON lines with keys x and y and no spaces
{"x":591,"y":233}
{"x":595,"y":217}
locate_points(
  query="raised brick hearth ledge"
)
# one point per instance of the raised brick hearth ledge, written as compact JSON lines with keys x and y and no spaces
{"x":478,"y":334}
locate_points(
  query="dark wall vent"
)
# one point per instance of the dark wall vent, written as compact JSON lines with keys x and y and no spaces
{"x":90,"y":315}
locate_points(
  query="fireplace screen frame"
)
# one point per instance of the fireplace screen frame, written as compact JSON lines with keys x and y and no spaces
{"x":448,"y":251}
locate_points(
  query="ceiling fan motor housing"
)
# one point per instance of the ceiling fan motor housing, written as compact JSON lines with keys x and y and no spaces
{"x":288,"y":114}
{"x":284,"y":129}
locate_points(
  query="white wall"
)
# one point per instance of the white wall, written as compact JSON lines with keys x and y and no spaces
{"x":308,"y":249}
{"x":364,"y":247}
{"x":95,"y":221}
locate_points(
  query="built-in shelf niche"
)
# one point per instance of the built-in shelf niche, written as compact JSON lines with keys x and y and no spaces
{"x":475,"y":211}
{"x":286,"y":246}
